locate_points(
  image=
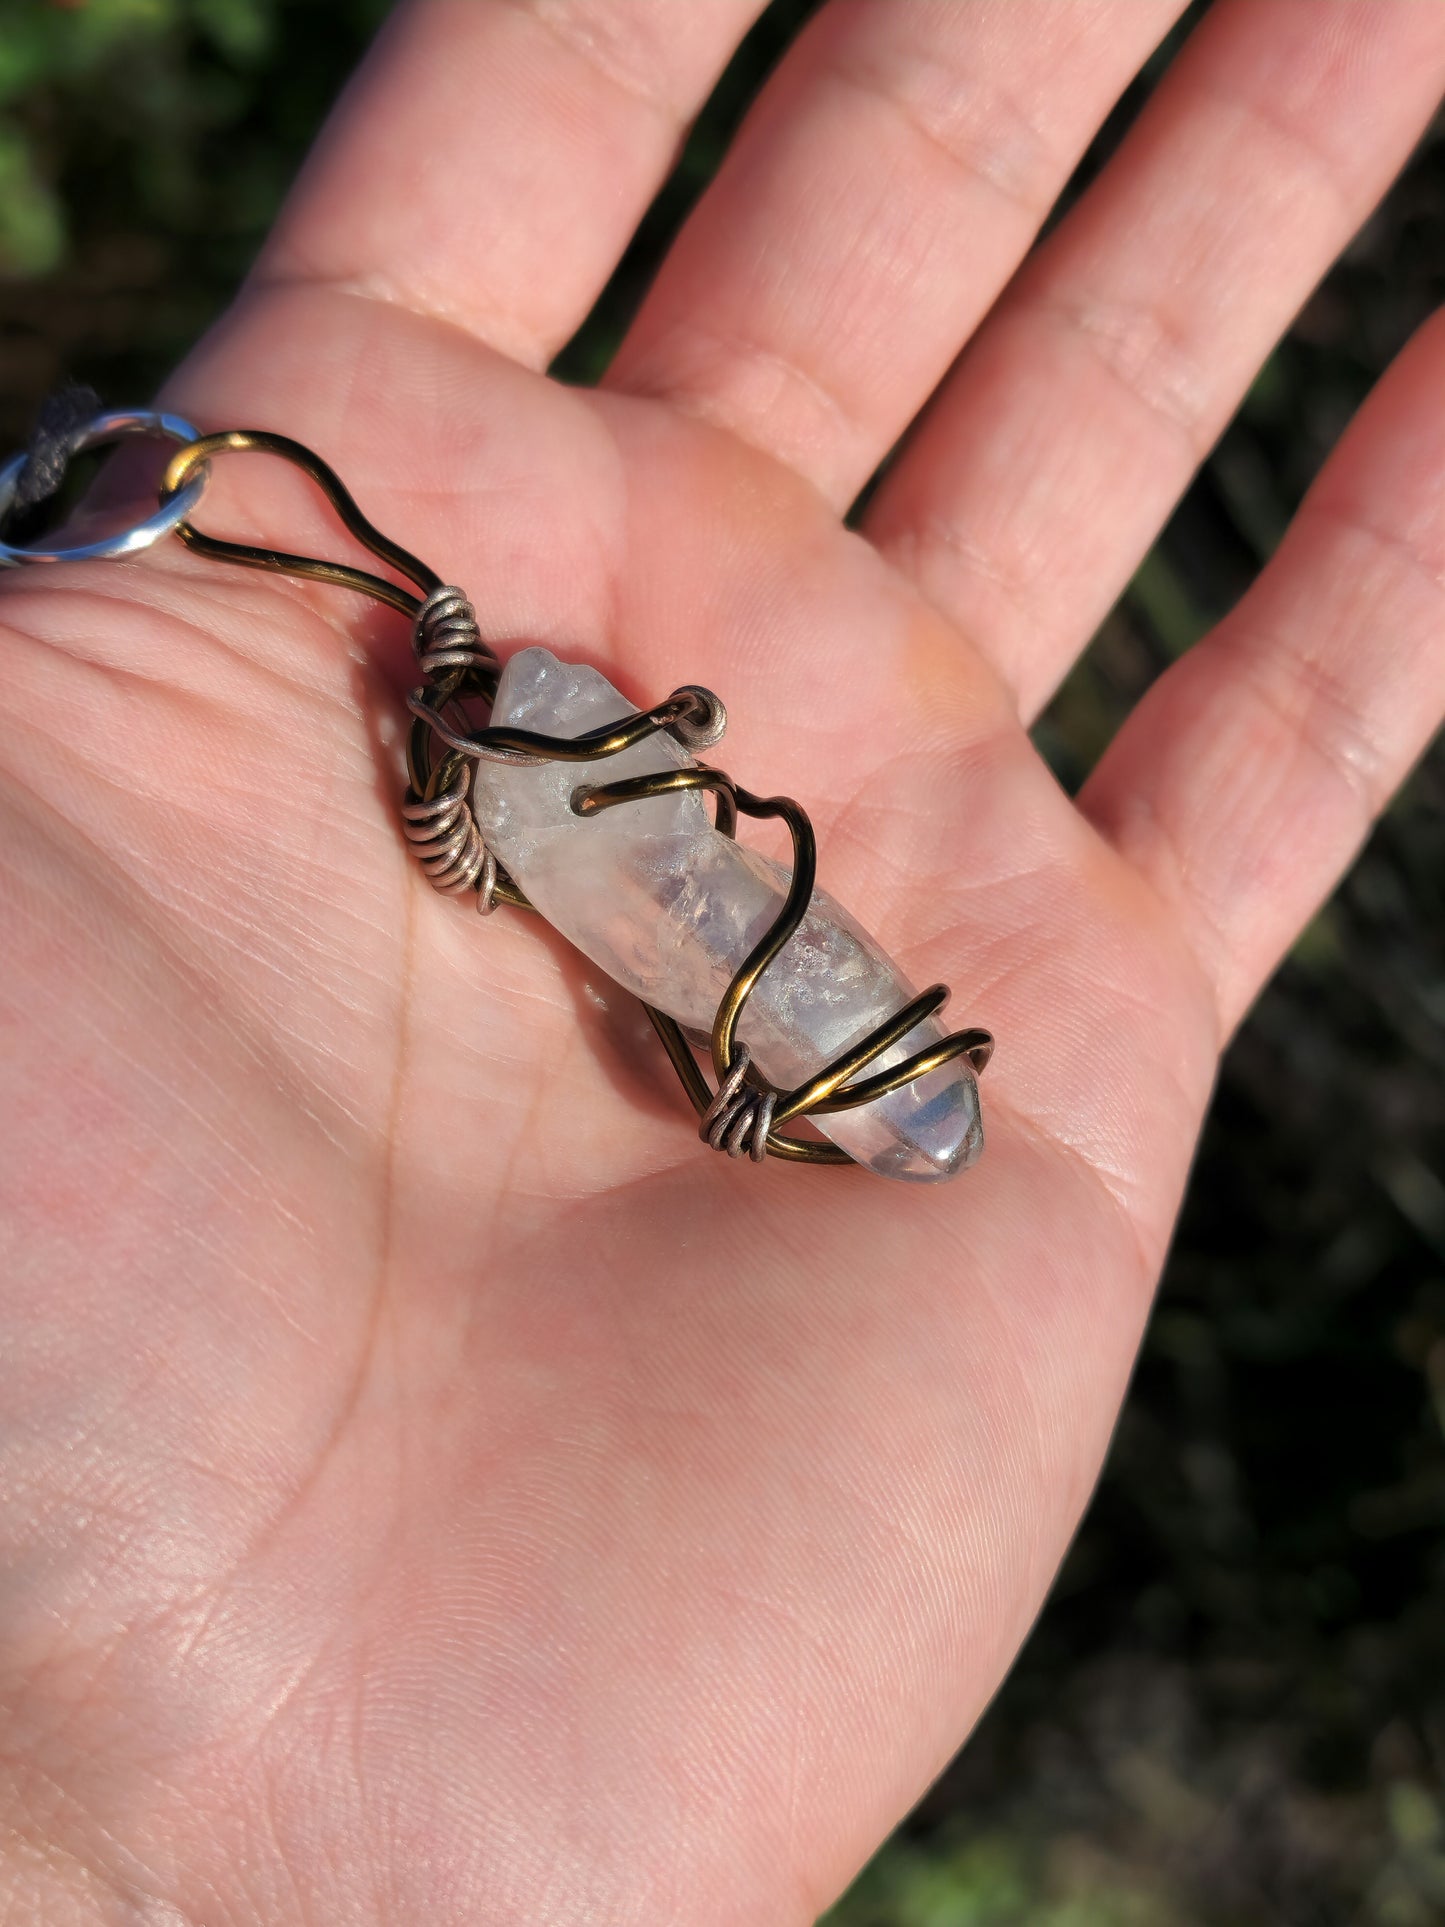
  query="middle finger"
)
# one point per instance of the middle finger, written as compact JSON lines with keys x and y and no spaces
{"x":880,"y":194}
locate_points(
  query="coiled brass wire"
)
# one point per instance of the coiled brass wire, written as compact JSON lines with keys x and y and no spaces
{"x":744,"y":1115}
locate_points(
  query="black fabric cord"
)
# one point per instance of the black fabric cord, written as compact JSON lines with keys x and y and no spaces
{"x":48,"y":456}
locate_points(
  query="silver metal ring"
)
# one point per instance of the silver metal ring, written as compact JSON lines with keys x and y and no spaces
{"x":112,"y":425}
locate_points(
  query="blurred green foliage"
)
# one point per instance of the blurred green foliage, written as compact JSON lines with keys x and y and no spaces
{"x":116,"y":65}
{"x":1232,"y":1713}
{"x":144,"y":145}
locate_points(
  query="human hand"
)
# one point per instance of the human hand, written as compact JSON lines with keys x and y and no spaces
{"x":432,"y":1486}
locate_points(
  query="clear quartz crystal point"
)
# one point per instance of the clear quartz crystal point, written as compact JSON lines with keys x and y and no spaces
{"x":667,"y":906}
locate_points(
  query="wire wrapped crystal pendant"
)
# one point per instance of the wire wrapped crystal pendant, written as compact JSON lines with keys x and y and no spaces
{"x":671,"y":907}
{"x":594,"y":813}
{"x":570,"y":801}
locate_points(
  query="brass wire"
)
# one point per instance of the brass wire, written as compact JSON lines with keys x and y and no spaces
{"x":310,"y":568}
{"x":822,"y":1092}
{"x":430,"y":781}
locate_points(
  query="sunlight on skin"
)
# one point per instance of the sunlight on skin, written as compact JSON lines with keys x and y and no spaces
{"x":432,"y":1486}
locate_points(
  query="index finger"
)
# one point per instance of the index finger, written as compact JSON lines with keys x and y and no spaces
{"x":491,"y":158}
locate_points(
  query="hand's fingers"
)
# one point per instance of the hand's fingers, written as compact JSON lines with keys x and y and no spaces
{"x":492,"y":157}
{"x":878,"y":197}
{"x":1249,"y":775}
{"x":1078,"y":415}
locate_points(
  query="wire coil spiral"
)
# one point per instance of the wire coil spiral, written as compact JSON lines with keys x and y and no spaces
{"x":740,"y":1116}
{"x":442,"y":829}
{"x":447,"y":840}
{"x":745,"y":1113}
{"x":446,"y":634}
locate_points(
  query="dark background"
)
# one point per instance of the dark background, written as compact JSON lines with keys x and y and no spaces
{"x":1232,"y":1713}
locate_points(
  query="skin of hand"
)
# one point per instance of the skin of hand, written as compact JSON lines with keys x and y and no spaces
{"x":433,"y":1487}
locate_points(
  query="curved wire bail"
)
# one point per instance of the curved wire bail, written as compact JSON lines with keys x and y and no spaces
{"x":456,"y":672}
{"x":247,"y":555}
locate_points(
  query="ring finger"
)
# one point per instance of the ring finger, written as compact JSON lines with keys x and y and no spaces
{"x":1055,"y":451}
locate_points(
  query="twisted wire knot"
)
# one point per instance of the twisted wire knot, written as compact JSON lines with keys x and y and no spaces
{"x":447,"y":634}
{"x":740,"y":1116}
{"x":442,"y":830}
{"x":448,"y":844}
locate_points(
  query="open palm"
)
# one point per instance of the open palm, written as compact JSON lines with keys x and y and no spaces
{"x":433,"y":1486}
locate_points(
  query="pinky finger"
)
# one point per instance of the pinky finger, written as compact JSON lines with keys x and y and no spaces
{"x":1249,"y":775}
